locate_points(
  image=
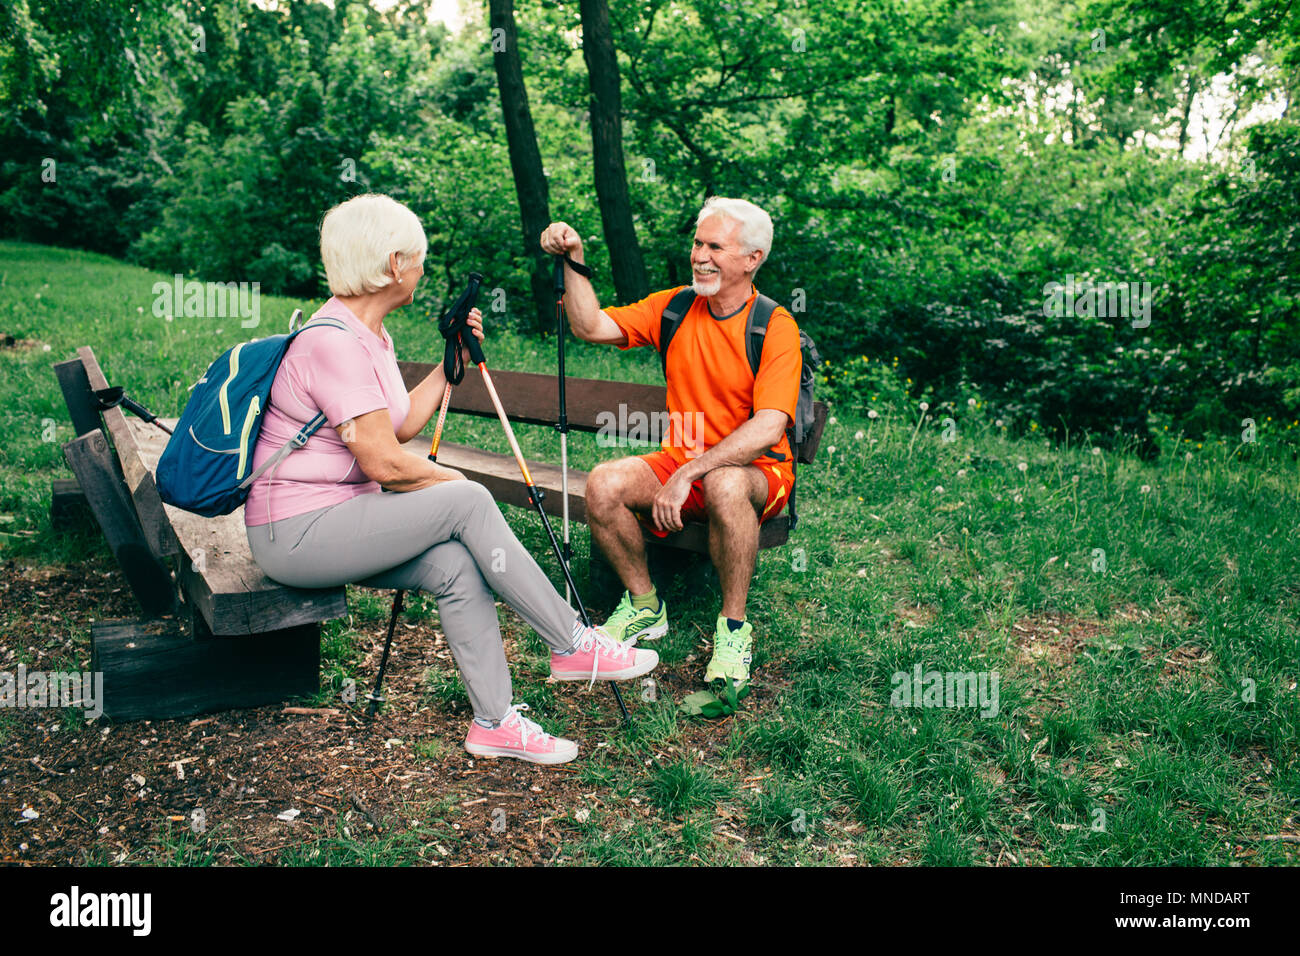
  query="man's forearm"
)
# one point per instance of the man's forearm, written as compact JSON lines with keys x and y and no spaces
{"x":741,"y":447}
{"x":581,"y":303}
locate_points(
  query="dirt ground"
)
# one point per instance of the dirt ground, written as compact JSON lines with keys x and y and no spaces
{"x":73,"y":792}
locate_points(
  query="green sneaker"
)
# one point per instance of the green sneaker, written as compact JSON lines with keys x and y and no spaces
{"x":732,"y":652}
{"x":629,"y":623}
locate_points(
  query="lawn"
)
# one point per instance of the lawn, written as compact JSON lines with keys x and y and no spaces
{"x":1135,"y":627}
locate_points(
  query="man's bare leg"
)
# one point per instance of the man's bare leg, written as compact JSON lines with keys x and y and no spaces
{"x":734,"y":496}
{"x":615,"y":490}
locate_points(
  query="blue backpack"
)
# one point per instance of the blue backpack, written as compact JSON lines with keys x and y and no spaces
{"x":205,"y":466}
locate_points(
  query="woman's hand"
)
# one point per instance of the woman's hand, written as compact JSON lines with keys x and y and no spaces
{"x":475,"y":324}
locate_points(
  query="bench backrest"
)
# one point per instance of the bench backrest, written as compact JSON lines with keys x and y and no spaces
{"x":80,"y":378}
{"x":533,"y":398}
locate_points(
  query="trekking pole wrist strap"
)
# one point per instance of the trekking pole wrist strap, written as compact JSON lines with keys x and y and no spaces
{"x":578,"y":267}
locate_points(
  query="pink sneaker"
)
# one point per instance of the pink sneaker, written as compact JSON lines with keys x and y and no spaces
{"x":517,"y":736}
{"x":600,"y":657}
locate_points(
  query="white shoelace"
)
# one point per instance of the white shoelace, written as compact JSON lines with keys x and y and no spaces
{"x":527,"y":728}
{"x":615,"y":649}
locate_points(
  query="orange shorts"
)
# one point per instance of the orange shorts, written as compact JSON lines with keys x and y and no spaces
{"x":779,"y":484}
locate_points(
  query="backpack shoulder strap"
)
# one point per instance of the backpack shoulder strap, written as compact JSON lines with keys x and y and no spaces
{"x":756,"y":330}
{"x":325,"y":320}
{"x":674,"y":312}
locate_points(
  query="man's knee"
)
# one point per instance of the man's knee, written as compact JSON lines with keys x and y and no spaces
{"x":728,"y":491}
{"x":606,"y":489}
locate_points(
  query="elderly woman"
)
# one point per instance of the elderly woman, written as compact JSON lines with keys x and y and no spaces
{"x":353,"y":506}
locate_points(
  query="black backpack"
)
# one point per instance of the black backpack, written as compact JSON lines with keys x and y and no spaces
{"x":755,"y":336}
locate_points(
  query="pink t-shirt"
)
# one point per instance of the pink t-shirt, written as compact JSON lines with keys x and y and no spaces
{"x":325,"y":370}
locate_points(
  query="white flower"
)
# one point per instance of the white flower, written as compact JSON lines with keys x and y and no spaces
{"x":831,"y":421}
{"x":1145,"y":489}
{"x":1188,"y":456}
{"x":859,"y":435}
{"x":1074,"y":479}
{"x":139,"y":308}
{"x":1096,"y":451}
{"x":961,"y":472}
{"x":925,"y":406}
{"x":938,"y":489}
{"x":832,"y":449}
{"x":970,"y":402}
{"x":1018,"y":499}
{"x":998,"y":423}
{"x":871,"y":413}
{"x":1023,"y":466}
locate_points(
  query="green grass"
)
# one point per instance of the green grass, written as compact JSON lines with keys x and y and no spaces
{"x":1145,"y":640}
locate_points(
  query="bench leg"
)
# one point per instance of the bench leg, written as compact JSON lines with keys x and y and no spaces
{"x":158,"y":669}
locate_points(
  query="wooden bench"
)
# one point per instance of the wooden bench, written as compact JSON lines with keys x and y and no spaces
{"x":218,"y":633}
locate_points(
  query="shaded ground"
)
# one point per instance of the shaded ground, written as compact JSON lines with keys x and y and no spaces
{"x":138,"y":791}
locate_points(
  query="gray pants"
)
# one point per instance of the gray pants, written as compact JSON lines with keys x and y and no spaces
{"x":449,"y":540}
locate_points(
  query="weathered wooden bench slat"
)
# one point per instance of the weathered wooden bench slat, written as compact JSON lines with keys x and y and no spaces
{"x":139,"y":475}
{"x":531,"y":398}
{"x":77,"y":396}
{"x":92,"y":462}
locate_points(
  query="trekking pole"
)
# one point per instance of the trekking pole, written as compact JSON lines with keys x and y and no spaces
{"x":106,"y":398}
{"x":563,"y":424}
{"x":535,"y":498}
{"x":453,"y":370}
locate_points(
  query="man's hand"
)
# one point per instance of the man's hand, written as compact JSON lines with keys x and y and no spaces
{"x":586,"y":319}
{"x":666,"y":509}
{"x":559,"y":238}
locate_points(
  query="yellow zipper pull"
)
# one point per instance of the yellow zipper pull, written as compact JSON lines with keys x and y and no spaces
{"x":254,"y":409}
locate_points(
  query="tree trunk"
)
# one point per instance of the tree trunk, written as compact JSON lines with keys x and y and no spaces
{"x":607,"y":152}
{"x":525,"y":158}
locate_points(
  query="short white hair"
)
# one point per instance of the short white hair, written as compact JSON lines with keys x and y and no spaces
{"x":755,"y":224}
{"x":356,"y":237}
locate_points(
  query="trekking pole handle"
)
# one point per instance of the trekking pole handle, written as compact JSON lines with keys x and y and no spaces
{"x":557,"y":273}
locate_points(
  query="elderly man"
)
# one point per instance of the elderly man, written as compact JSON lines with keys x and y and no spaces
{"x":726,"y":459}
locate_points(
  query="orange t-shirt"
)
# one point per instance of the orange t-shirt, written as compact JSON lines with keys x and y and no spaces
{"x":711,"y":390}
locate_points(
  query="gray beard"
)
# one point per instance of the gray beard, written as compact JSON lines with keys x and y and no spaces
{"x":707,"y":289}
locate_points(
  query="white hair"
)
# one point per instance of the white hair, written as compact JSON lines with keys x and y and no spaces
{"x":356,"y":237}
{"x":755,"y":225}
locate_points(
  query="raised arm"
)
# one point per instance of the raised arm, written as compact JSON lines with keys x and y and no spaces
{"x":586,"y":319}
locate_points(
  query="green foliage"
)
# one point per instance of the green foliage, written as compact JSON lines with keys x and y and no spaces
{"x":931,"y":167}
